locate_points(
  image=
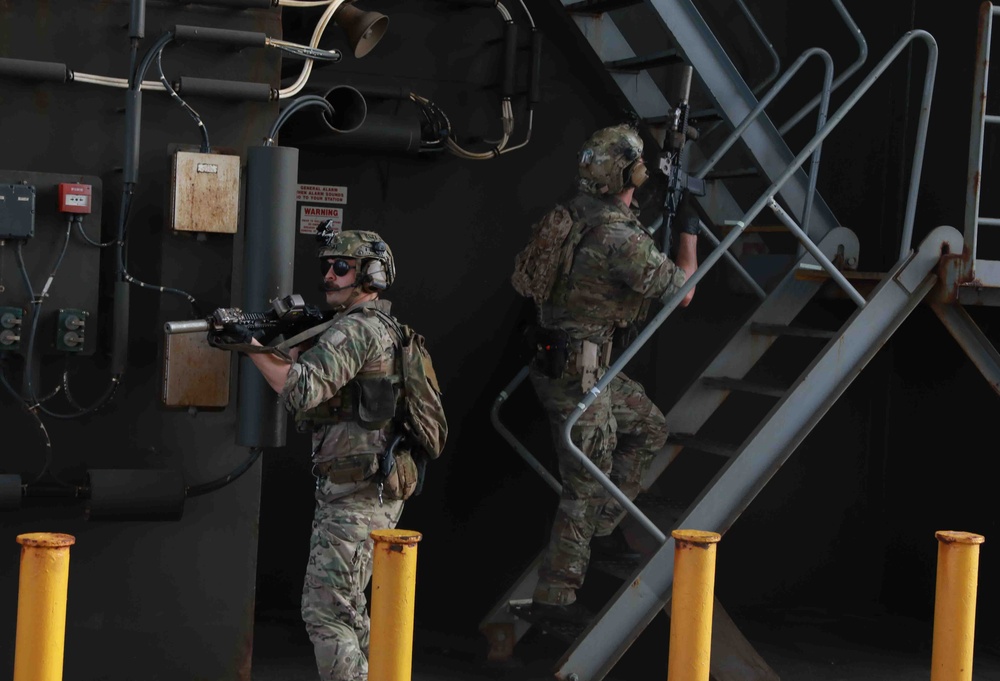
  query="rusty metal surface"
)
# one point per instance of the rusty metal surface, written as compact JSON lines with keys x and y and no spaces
{"x":206,"y":192}
{"x":194,"y":373}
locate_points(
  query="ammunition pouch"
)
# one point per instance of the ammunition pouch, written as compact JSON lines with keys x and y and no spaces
{"x":398,"y":475}
{"x":370,"y":402}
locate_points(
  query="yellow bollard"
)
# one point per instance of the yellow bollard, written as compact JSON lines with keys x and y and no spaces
{"x":955,"y":605}
{"x":691,"y":605}
{"x":41,"y":606}
{"x":394,"y":577}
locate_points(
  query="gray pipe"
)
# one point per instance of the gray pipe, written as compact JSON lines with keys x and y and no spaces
{"x":268,"y":265}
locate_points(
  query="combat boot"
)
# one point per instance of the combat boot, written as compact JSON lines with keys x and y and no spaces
{"x":614,"y":548}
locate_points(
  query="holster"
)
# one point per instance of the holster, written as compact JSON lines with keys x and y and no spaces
{"x":551,"y":351}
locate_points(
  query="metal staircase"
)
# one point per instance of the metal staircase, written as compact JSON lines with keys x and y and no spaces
{"x":622,"y":33}
{"x":736,"y":466}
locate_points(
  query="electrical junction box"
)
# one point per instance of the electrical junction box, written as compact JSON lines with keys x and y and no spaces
{"x":11,"y":319}
{"x":70,"y":328}
{"x":194,"y":373}
{"x":17,"y":211}
{"x":205,"y":196}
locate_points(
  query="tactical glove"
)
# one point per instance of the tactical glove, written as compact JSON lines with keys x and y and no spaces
{"x":230,"y":337}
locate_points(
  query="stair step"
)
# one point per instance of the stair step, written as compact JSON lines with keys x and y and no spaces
{"x":702,"y":445}
{"x":699,"y":116}
{"x":622,"y":569}
{"x":726,"y":383}
{"x":782,"y":330}
{"x":816,"y":273}
{"x":645,"y":62}
{"x":599,"y":6}
{"x":728,"y":226}
{"x":731,"y":174}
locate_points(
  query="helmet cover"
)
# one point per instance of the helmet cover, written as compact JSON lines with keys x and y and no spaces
{"x":605,"y":157}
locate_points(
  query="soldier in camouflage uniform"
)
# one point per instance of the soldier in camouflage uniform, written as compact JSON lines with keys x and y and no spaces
{"x":613,"y":271}
{"x":327,"y":387}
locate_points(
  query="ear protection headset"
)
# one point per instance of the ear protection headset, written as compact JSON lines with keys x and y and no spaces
{"x":372,"y":279}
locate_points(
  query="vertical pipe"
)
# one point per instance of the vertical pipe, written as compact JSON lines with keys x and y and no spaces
{"x":691,"y":605}
{"x":955,"y":605}
{"x":41,"y":606}
{"x":268,"y":262}
{"x":394,"y":576}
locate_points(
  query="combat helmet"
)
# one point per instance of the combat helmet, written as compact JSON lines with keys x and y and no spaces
{"x":376,"y":266}
{"x":608,"y":157}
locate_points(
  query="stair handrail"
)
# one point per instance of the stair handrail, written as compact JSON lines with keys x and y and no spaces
{"x":766,"y":199}
{"x":824,"y":98}
{"x":509,"y":436}
{"x":775,"y":59}
{"x":973,"y":183}
{"x":848,"y":72}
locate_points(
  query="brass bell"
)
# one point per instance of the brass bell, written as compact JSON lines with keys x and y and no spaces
{"x":363,"y":29}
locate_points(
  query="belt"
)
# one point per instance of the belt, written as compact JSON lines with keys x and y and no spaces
{"x":344,"y":469}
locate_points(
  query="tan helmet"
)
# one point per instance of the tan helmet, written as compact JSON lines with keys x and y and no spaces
{"x":608,"y":158}
{"x":376,"y":266}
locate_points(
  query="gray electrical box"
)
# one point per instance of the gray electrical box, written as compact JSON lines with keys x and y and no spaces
{"x":17,"y":211}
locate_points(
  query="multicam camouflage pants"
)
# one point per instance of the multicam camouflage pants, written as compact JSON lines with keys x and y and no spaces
{"x":334,"y":606}
{"x":620,"y":432}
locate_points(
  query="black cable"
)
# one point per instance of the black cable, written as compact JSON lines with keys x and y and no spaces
{"x":31,"y":401}
{"x":211,"y":486}
{"x":205,"y":146}
{"x":86,"y":237}
{"x":137,"y":76}
{"x":295,"y":106}
{"x":123,"y":273}
{"x":46,"y":440}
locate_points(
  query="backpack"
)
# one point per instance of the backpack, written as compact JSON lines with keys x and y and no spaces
{"x":423,"y":419}
{"x":549,"y":251}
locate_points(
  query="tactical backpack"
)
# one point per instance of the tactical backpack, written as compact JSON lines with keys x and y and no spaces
{"x":423,"y":418}
{"x":549,"y":251}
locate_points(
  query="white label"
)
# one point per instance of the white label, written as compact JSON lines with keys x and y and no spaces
{"x":321,"y":193}
{"x":77,"y":200}
{"x":310,"y":217}
{"x":207,"y":168}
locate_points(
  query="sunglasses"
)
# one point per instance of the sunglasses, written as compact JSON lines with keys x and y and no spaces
{"x":340,"y":267}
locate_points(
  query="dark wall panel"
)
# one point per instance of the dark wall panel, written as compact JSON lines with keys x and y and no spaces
{"x":156,"y":600}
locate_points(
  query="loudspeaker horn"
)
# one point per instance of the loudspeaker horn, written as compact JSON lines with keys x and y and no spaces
{"x":363,"y":29}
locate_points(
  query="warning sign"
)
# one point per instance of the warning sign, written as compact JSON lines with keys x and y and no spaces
{"x":321,"y":193}
{"x":310,"y":218}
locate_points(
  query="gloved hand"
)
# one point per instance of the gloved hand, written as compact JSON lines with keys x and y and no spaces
{"x":229,"y":336}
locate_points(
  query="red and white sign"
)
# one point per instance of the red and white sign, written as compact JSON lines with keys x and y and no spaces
{"x":310,"y":217}
{"x":321,"y":193}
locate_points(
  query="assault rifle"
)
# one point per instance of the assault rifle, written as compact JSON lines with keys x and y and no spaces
{"x":287,"y":317}
{"x":673,"y":160}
